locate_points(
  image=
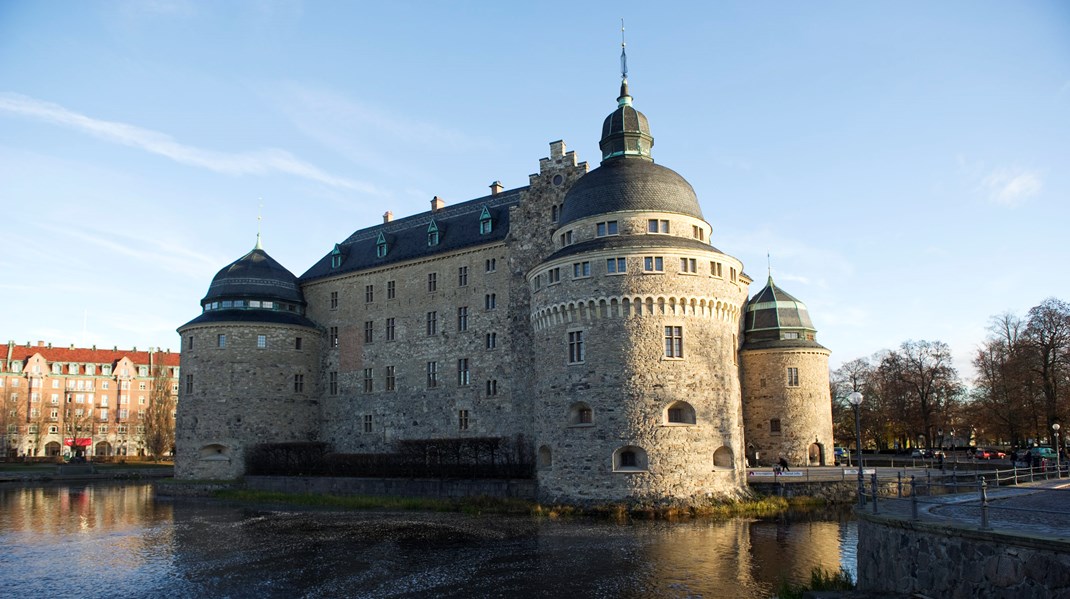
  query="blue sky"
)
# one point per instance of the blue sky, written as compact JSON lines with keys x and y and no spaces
{"x":905,"y":163}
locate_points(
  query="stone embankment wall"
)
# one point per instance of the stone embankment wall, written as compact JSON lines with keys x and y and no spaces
{"x":395,"y":487}
{"x":897,"y":555}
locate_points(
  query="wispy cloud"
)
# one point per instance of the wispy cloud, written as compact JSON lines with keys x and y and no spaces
{"x":1011,"y":186}
{"x":261,"y":162}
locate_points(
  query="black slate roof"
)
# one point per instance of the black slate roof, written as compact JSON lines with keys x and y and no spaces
{"x":632,"y":242}
{"x":255,"y":275}
{"x":406,"y":238}
{"x":629,"y":183}
{"x":251,"y":315}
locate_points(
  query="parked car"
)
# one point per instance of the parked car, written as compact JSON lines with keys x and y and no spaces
{"x":1043,"y":453}
{"x":926,"y":454}
{"x":982,"y":453}
{"x":841,"y":455}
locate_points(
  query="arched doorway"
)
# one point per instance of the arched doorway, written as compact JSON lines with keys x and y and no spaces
{"x":52,"y":449}
{"x":816,"y":454}
{"x":103,"y":449}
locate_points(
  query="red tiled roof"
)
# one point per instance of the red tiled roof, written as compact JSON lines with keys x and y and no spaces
{"x":83,"y":355}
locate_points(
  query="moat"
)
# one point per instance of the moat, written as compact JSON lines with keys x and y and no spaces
{"x":120,"y":540}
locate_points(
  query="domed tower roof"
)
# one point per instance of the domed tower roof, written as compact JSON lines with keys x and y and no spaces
{"x":628,"y":179}
{"x":774,"y":318}
{"x":254,"y":288}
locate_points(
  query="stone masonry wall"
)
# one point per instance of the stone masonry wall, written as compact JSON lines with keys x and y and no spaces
{"x":804,"y":411}
{"x":904,"y":557}
{"x":242,"y":395}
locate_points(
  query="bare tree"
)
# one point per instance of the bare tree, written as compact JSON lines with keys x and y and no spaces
{"x":921,"y":375}
{"x":1047,"y":339}
{"x":159,"y":421}
{"x":12,"y":416}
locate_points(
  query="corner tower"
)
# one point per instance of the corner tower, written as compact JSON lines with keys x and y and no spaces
{"x":787,"y":408}
{"x":635,"y":320}
{"x":249,"y":369}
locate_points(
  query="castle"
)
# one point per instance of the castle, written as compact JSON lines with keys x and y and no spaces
{"x":588,"y":312}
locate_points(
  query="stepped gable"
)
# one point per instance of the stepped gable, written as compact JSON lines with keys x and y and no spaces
{"x":406,"y":238}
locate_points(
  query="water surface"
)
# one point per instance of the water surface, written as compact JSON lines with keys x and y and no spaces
{"x":118,"y":540}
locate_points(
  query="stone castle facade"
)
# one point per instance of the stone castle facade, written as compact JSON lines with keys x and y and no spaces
{"x":587,"y":312}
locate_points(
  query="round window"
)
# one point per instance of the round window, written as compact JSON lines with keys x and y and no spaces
{"x":558,"y":179}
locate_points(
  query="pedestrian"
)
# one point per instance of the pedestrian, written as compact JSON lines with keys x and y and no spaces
{"x":784,"y":464}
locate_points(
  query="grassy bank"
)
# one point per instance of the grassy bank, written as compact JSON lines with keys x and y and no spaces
{"x":820,"y":580}
{"x":757,"y":507}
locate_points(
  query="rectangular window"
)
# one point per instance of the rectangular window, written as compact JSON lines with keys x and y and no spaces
{"x":485,"y":226}
{"x":674,"y":342}
{"x":490,"y":301}
{"x":389,"y":329}
{"x":432,"y":375}
{"x":390,"y":290}
{"x":432,"y":323}
{"x":332,"y":382}
{"x":462,"y":276}
{"x":299,"y":383}
{"x":774,"y":425}
{"x":334,"y":300}
{"x":715,"y":269}
{"x":369,"y":380}
{"x":698,"y":232}
{"x":369,"y":294}
{"x":790,"y":335}
{"x":492,"y":340}
{"x":732,"y":274}
{"x":297,"y":343}
{"x":654,"y":264}
{"x":333,"y":336}
{"x":463,"y":375}
{"x":492,"y":387}
{"x":189,"y":383}
{"x":462,"y":318}
{"x":261,"y":341}
{"x":189,"y":342}
{"x":367,"y":423}
{"x":492,"y":264}
{"x":462,"y":420}
{"x":432,"y":282}
{"x":221,"y":340}
{"x":616,"y":266}
{"x":793,"y":377}
{"x":576,"y":351}
{"x":581,"y":270}
{"x":369,"y":331}
{"x":553,"y":276}
{"x":553,"y":213}
{"x":688,"y":265}
{"x":657,"y":226}
{"x":566,"y":238}
{"x":391,"y":379}
{"x":606,"y":228}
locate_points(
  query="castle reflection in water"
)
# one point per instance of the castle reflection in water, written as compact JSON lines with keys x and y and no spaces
{"x":96,"y":540}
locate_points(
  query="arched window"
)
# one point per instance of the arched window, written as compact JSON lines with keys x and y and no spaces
{"x":680,"y":412}
{"x":215,"y":452}
{"x":546,"y":460}
{"x":723,"y":459}
{"x":629,"y":459}
{"x":580,"y":414}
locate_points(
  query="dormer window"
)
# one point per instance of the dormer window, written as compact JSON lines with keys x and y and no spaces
{"x":380,"y":246}
{"x":336,"y":256}
{"x":432,"y":234}
{"x":485,"y":225}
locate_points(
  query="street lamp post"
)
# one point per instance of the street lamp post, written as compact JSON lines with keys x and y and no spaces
{"x":855,"y":399}
{"x":1055,"y":429}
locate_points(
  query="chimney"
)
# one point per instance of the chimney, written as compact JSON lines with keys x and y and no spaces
{"x":115,"y":348}
{"x":40,"y":343}
{"x":72,"y":346}
{"x":94,"y":347}
{"x":496,"y":188}
{"x":437,"y":204}
{"x":49,"y":345}
{"x":388,"y":216}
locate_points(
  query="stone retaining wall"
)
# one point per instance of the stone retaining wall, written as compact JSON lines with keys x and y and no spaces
{"x":897,"y":555}
{"x":395,"y":487}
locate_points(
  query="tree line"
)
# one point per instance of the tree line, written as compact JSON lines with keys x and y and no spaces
{"x":914,"y":396}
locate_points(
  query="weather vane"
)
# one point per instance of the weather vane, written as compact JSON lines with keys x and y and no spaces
{"x":623,"y":55}
{"x":258,"y":219}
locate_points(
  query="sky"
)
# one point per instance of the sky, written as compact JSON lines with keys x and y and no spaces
{"x":904,"y":167}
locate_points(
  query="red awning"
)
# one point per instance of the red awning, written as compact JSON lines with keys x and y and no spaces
{"x":78,"y":442}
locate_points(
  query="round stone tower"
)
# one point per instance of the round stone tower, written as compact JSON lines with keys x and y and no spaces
{"x":249,"y":369}
{"x":636,"y":320}
{"x":787,"y":407}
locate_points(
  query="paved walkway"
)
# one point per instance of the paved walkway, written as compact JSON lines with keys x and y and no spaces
{"x":1041,"y":509}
